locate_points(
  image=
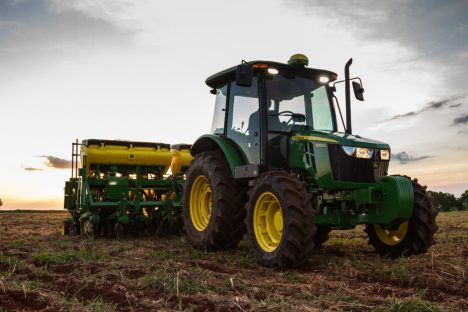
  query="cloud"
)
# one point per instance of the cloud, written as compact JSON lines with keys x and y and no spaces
{"x":434,"y":30}
{"x":409,"y":114}
{"x":462,"y":120}
{"x":32,"y":29}
{"x":431,"y":26}
{"x":405,"y":158}
{"x":458,"y":148}
{"x":50,"y":162}
{"x":55,"y":162}
{"x":127,"y":16}
{"x":31,"y":169}
{"x":433,"y":105}
{"x":113,"y":11}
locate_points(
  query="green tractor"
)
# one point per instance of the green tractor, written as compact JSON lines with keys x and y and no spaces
{"x":276,"y":166}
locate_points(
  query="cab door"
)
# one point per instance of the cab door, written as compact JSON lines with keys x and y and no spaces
{"x":243,"y":119}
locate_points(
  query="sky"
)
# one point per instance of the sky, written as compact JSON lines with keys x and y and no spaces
{"x":135,"y":70}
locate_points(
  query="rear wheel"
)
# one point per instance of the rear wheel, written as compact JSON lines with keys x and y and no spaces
{"x":213,"y":211}
{"x":411,"y":237}
{"x":280,"y":220}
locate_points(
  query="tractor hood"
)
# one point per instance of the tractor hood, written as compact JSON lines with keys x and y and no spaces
{"x":338,"y":138}
{"x":338,"y":160}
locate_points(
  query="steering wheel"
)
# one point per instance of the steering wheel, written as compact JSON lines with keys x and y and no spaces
{"x":286,"y":125}
{"x":287,"y":113}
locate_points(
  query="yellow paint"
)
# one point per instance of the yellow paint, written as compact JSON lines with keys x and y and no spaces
{"x":180,"y":159}
{"x":268,"y":222}
{"x":312,"y":138}
{"x":135,"y":155}
{"x":201,"y":202}
{"x":391,"y":237}
{"x":62,"y":229}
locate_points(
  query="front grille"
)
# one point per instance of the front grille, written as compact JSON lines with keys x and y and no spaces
{"x":382,"y":169}
{"x":351,"y":169}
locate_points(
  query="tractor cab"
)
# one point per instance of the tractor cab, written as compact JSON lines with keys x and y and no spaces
{"x":262,"y":112}
{"x":261,"y":106}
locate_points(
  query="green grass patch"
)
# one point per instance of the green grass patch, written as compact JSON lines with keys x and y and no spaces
{"x":292,"y":277}
{"x":86,"y":252}
{"x":173,"y":283}
{"x":345,"y":241}
{"x":415,"y":304}
{"x":17,"y":243}
{"x":54,"y":257}
{"x":99,"y":305}
{"x":450,"y":237}
{"x":401,"y":272}
{"x":90,"y":252}
{"x":11,"y":264}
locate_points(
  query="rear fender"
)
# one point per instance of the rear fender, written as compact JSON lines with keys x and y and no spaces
{"x":229,"y":148}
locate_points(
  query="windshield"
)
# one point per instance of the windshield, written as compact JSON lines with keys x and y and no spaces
{"x":297,"y":102}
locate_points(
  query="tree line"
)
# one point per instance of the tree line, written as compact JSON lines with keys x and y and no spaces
{"x":448,"y":202}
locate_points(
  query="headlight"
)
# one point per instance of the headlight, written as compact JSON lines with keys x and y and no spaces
{"x":359,"y":152}
{"x":384,"y":154}
{"x":362,"y":152}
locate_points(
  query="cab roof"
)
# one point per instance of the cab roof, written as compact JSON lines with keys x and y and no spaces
{"x":227,"y":75}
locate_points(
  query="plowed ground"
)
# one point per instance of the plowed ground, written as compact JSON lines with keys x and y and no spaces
{"x":41,"y":270}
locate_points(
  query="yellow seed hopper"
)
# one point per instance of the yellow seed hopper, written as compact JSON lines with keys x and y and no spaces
{"x":108,"y":152}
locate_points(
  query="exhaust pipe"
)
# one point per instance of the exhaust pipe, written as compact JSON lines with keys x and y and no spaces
{"x":348,"y":97}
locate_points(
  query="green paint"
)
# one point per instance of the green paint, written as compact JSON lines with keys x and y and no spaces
{"x":388,"y":201}
{"x":213,"y":142}
{"x":123,"y":194}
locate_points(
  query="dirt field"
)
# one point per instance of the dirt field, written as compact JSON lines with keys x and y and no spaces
{"x":41,"y":270}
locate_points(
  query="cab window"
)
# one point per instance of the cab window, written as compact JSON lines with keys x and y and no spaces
{"x":243,"y":124}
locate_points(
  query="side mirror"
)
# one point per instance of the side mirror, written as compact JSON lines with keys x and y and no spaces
{"x":358,"y":91}
{"x":244,"y":75}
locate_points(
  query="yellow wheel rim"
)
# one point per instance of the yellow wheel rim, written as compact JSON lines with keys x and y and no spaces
{"x":268,"y":222}
{"x":201,"y":202}
{"x":391,"y":237}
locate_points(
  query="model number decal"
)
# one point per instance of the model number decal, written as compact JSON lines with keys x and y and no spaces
{"x":312,"y":138}
{"x":320,"y":145}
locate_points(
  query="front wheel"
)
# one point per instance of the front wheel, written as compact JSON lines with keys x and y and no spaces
{"x":410,"y":237}
{"x":280,"y":220}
